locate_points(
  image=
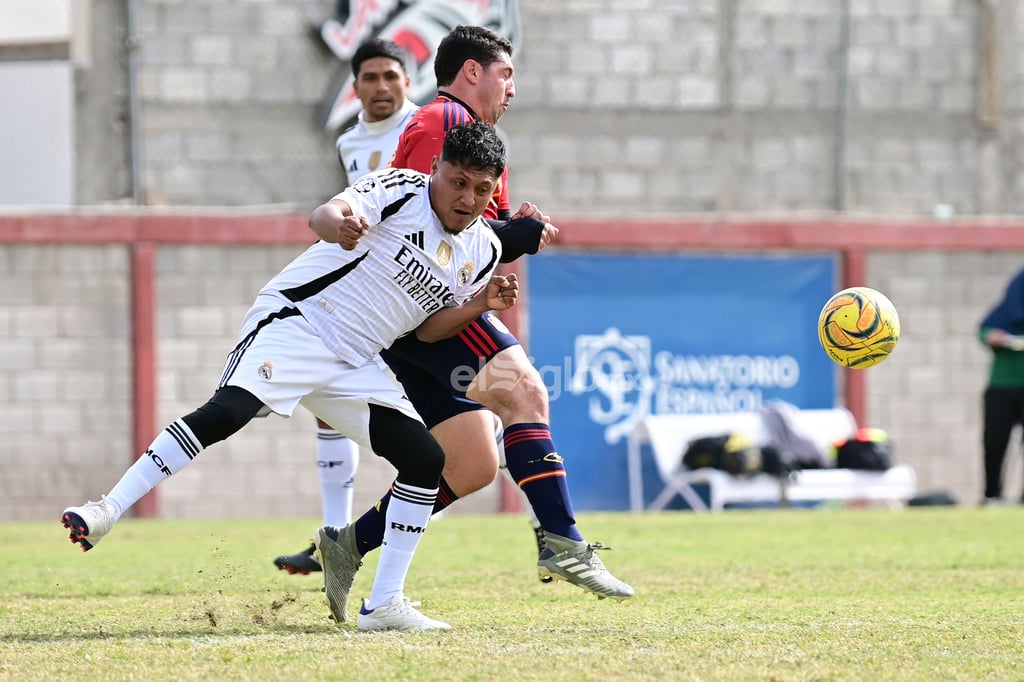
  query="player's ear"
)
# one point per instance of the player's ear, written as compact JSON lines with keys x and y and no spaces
{"x":471,"y":68}
{"x":434,"y":164}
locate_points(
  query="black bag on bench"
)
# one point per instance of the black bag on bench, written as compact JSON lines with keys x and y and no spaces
{"x":868,"y":450}
{"x":734,"y":453}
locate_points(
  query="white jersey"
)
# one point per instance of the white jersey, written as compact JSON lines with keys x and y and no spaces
{"x":369,"y":145}
{"x":404,"y":269}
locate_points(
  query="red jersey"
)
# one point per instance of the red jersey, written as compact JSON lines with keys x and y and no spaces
{"x":423,"y":138}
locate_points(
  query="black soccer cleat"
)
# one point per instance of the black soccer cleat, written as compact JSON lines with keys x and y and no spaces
{"x":302,"y":563}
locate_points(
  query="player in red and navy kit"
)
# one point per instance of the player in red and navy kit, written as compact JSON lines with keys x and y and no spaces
{"x":424,"y":134}
{"x":452,"y":381}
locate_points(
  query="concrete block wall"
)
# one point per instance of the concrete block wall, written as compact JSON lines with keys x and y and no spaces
{"x":65,"y":393}
{"x":640,"y":107}
{"x":732,"y":106}
{"x":228,"y":95}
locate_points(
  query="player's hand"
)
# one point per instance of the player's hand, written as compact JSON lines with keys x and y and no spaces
{"x":1000,"y":338}
{"x":528,"y":210}
{"x":351,"y":230}
{"x":549,"y":233}
{"x":502,"y":292}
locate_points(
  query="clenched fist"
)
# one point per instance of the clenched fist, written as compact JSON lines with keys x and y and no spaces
{"x":502,"y":292}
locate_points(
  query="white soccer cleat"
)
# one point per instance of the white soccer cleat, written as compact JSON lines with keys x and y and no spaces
{"x":88,"y":523}
{"x":398,"y":614}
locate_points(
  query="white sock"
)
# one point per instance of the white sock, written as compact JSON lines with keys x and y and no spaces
{"x":172,"y":450}
{"x":337,"y":459}
{"x":404,"y":525}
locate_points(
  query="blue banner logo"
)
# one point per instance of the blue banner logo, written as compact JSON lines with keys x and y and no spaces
{"x":619,"y":337}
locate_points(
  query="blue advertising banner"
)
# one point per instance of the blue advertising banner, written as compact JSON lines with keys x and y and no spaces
{"x":618,"y":337}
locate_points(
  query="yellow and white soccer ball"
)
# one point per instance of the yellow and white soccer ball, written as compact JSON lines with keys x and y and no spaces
{"x":858,"y":327}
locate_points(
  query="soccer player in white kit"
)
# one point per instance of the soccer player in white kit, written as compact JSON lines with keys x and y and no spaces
{"x":382,"y":86}
{"x":414,"y":256}
{"x":381,"y":82}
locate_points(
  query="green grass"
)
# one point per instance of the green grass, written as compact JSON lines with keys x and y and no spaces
{"x":925,"y":594}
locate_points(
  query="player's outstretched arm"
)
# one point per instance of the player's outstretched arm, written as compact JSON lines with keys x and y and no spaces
{"x":999,"y":338}
{"x":333,"y":222}
{"x":527,"y":232}
{"x":501,"y":293}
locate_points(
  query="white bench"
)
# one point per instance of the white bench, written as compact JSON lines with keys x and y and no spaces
{"x":668,"y":436}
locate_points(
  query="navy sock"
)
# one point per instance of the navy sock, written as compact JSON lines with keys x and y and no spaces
{"x":537,"y":468}
{"x":369,"y":528}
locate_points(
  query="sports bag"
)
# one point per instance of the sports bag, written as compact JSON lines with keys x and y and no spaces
{"x":868,"y":450}
{"x":735,"y":453}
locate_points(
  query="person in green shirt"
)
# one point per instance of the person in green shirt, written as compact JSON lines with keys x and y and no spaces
{"x":1002,"y":329}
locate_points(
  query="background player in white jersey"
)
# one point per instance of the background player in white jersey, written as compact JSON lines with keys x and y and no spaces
{"x":382,"y":86}
{"x":415,"y":255}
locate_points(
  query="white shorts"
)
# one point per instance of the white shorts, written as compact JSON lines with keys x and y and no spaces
{"x":283,"y":362}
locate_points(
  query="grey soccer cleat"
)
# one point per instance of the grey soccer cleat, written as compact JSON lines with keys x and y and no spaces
{"x":88,"y":523}
{"x":337,"y":553}
{"x":538,"y":533}
{"x":577,"y":562}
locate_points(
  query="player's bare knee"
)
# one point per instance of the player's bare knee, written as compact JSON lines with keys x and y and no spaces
{"x":464,"y":480}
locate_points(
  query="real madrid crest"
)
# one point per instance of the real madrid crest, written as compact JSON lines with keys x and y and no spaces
{"x":444,"y":253}
{"x":464,"y":273}
{"x":266,"y":370}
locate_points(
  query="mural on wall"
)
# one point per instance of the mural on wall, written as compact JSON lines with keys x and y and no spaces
{"x":416,"y":25}
{"x":618,"y":337}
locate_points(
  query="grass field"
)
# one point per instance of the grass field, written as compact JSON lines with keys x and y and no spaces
{"x":922,"y":594}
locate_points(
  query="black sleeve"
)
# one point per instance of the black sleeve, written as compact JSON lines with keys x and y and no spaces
{"x":517,"y":237}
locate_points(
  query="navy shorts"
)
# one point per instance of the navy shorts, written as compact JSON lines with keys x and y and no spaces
{"x":435,"y":376}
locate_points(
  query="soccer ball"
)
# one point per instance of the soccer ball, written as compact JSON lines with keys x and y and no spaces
{"x":858,"y":327}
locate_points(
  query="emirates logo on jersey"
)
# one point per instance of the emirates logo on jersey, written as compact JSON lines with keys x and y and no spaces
{"x":418,"y":280}
{"x":444,"y":254}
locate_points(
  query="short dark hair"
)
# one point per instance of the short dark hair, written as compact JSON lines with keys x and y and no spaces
{"x":468,"y":42}
{"x":376,"y":47}
{"x":474,"y":145}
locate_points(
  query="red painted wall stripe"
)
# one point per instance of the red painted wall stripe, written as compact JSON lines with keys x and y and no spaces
{"x":599,"y":233}
{"x":144,"y":370}
{"x":854,"y":265}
